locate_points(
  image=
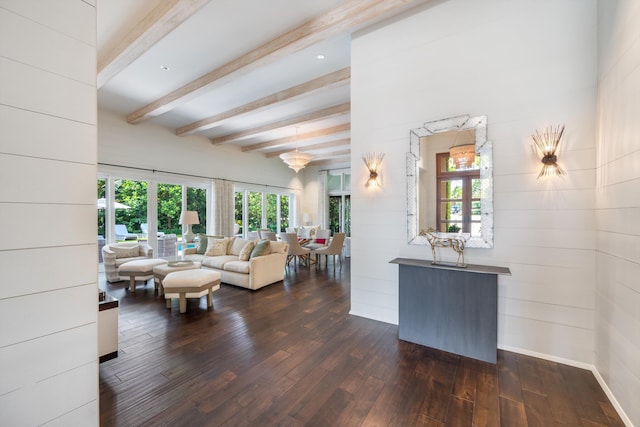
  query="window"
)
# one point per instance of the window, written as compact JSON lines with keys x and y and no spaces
{"x":339,"y":189}
{"x":131,"y":198}
{"x":255,"y":210}
{"x":458,"y":196}
{"x":131,"y":206}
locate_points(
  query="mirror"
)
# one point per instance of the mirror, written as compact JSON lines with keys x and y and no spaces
{"x":422,"y":195}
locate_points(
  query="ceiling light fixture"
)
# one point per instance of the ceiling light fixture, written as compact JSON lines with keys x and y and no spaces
{"x":164,"y":68}
{"x":295,"y":159}
{"x":463,"y":150}
{"x":320,"y":56}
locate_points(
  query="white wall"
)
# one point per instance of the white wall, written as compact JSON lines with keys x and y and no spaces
{"x":150,"y":146}
{"x":617,"y":340}
{"x":526,"y":65}
{"x":48,"y":274}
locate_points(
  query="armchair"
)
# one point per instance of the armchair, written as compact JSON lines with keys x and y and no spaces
{"x":114,"y":255}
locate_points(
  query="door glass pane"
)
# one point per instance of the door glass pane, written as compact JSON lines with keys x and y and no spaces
{"x":130,"y":209}
{"x":102,"y":194}
{"x":197,"y":201}
{"x":169,"y":209}
{"x":334,"y":182}
{"x":272,"y":212}
{"x":254,"y":221}
{"x":347,"y":182}
{"x":347,"y":215}
{"x":476,"y":189}
{"x":451,"y":189}
{"x":239,"y":196}
{"x":284,"y":214}
{"x":335,"y":205}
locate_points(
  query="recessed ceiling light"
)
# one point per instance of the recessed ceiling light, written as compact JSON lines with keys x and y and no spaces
{"x":320,"y":56}
{"x":164,"y":68}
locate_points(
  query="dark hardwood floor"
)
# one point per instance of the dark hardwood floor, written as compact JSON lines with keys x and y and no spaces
{"x":291,"y":355}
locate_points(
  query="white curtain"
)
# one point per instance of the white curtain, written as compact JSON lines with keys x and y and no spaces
{"x":323,"y":200}
{"x":223,"y":207}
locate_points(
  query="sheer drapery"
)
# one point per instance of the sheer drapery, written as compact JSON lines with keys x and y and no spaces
{"x":323,"y":200}
{"x":223,"y":207}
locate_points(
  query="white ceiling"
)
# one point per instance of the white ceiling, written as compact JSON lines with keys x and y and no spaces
{"x":222,"y":31}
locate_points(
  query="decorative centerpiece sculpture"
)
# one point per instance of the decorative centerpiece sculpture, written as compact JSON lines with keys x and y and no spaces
{"x":454,"y":241}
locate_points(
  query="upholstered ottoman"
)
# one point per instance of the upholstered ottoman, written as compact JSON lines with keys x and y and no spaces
{"x":161,"y":271}
{"x":190,"y":284}
{"x":141,"y":269}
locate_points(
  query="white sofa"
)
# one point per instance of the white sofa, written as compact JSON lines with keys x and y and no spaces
{"x":116,"y":254}
{"x":255,"y":273}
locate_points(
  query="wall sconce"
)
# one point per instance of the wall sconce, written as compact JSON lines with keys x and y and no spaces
{"x":373,"y":160}
{"x":547,"y":144}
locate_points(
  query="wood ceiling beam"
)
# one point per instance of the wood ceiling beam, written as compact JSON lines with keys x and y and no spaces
{"x":346,"y":18}
{"x":163,"y":19}
{"x":321,"y":146}
{"x":293,"y":139}
{"x":326,"y":82}
{"x":314,"y":116}
{"x":343,"y":153}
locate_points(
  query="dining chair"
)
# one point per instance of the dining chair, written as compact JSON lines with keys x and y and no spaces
{"x":334,"y":248}
{"x":296,"y":251}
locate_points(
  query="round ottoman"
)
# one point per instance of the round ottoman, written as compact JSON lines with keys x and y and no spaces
{"x":161,"y":271}
{"x":190,"y":284}
{"x":140,"y":269}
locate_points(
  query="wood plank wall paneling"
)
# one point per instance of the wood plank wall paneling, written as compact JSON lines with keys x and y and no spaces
{"x":48,"y":304}
{"x":617,"y":342}
{"x":452,"y":59}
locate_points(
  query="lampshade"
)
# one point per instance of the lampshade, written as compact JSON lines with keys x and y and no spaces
{"x":296,"y":160}
{"x":189,"y":217}
{"x":463,"y":155}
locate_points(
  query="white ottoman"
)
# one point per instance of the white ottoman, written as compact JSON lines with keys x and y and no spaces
{"x":161,"y":271}
{"x":190,"y":284}
{"x":140,"y":269}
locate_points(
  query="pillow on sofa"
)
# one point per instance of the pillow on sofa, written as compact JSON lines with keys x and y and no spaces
{"x":245,"y":252}
{"x":125,"y":251}
{"x":216,"y":247}
{"x":201,"y":244}
{"x":261,"y":248}
{"x":236,"y":246}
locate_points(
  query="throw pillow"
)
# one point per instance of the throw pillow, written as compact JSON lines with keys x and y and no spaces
{"x":201,"y":244}
{"x":304,"y":233}
{"x":261,"y":248}
{"x":245,"y":252}
{"x":216,"y":247}
{"x":320,"y":241}
{"x":125,"y":251}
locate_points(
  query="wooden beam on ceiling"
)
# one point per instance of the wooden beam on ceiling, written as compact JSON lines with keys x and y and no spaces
{"x":346,"y":18}
{"x":293,"y":139}
{"x":326,"y":82}
{"x":314,"y":116}
{"x":321,"y":146}
{"x":334,"y":155}
{"x":163,"y":19}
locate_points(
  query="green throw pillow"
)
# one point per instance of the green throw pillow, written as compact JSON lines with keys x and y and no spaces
{"x":201,"y":244}
{"x":262,"y":248}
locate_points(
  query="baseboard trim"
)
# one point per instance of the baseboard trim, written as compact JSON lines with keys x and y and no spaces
{"x":625,"y":419}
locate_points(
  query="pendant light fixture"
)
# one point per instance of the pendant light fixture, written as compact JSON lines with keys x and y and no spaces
{"x":296,"y":160}
{"x":463,"y":155}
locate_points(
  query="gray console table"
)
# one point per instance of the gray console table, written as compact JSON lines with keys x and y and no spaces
{"x":450,"y":308}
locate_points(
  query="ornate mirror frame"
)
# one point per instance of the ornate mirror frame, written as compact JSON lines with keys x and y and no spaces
{"x":484,"y":149}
